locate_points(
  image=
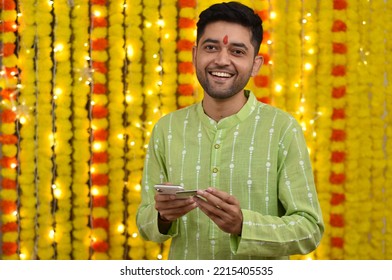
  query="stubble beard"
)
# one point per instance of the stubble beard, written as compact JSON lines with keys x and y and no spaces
{"x":216,"y":92}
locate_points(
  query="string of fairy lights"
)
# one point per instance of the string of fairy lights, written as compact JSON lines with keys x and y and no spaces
{"x":83,"y":83}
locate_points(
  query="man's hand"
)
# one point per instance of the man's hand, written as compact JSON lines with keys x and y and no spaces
{"x":170,"y":208}
{"x":223,"y":209}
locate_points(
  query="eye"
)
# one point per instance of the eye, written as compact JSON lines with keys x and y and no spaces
{"x":238,"y":52}
{"x":210,"y":48}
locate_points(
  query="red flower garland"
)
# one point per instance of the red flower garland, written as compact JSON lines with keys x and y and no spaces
{"x":340,"y":4}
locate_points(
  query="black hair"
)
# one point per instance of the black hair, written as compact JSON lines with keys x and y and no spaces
{"x":233,"y":12}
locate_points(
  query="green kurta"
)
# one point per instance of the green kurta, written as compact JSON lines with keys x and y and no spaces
{"x":259,"y":155}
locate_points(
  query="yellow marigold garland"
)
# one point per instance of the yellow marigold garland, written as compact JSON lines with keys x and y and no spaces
{"x":28,"y":147}
{"x":117,"y":134}
{"x":45,"y":136}
{"x":81,"y":140}
{"x":63,"y":130}
{"x":365,"y":152}
{"x":278,"y":52}
{"x":134,"y":247}
{"x":261,"y":83}
{"x":388,"y":173}
{"x":376,"y":65}
{"x":322,"y":164}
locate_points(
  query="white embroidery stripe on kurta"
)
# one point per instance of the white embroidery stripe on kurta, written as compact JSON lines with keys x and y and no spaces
{"x":288,"y":186}
{"x":198,"y":168}
{"x":169,"y":142}
{"x":268,"y":164}
{"x":183,"y":153}
{"x":232,"y":165}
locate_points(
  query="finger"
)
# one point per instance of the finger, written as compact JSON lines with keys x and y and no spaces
{"x":224,"y":196}
{"x":174,"y":213}
{"x":215,"y":198}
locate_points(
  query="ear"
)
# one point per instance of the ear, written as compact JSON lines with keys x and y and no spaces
{"x":194,"y":51}
{"x":257,"y":63}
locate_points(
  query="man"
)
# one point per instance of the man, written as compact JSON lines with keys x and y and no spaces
{"x":256,"y":197}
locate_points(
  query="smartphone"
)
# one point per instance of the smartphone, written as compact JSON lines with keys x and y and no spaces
{"x":174,"y":189}
{"x":168,"y":189}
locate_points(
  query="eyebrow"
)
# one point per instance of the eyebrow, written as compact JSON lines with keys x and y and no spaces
{"x":240,"y":45}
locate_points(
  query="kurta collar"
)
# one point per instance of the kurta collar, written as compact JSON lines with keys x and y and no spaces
{"x":232,"y":120}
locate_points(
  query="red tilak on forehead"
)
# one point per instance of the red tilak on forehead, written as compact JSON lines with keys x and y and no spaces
{"x":225,"y":39}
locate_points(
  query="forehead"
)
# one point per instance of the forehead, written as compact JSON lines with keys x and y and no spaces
{"x":235,"y":32}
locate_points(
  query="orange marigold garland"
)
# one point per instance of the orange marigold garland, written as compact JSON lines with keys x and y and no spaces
{"x":338,"y":134}
{"x":99,"y":124}
{"x":9,"y":162}
{"x":186,"y":90}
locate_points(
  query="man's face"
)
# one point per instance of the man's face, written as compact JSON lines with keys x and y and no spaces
{"x":224,"y":59}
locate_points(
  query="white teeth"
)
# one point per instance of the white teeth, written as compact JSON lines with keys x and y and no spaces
{"x":221,"y":74}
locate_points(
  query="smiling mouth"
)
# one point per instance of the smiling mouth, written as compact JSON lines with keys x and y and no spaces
{"x":221,"y":74}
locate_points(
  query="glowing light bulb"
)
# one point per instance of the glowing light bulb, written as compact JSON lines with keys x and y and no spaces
{"x":95,"y":191}
{"x":273,"y":15}
{"x":120,"y":228}
{"x":148,"y":24}
{"x":57,"y":193}
{"x":130,"y":51}
{"x":158,"y":68}
{"x":278,"y":88}
{"x":22,"y":256}
{"x":128,"y":98}
{"x":97,"y":13}
{"x":308,"y":66}
{"x":161,"y":23}
{"x":138,"y":187}
{"x":51,"y":234}
{"x":58,"y":48}
{"x":22,"y":120}
{"x":97,"y":146}
{"x":13,"y":165}
{"x":120,"y":136}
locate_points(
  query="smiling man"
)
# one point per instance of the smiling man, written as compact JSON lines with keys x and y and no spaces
{"x":248,"y":161}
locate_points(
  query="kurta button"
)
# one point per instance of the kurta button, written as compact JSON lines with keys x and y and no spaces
{"x":215,"y":170}
{"x":216,"y":146}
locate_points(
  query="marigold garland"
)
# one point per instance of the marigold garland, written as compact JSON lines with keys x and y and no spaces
{"x":134,"y":247}
{"x":99,"y":45}
{"x":8,"y":196}
{"x":44,"y":133}
{"x":81,"y":141}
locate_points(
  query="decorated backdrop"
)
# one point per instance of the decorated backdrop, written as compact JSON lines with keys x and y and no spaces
{"x":83,"y":82}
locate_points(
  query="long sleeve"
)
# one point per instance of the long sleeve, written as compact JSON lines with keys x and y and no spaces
{"x":299,"y":229}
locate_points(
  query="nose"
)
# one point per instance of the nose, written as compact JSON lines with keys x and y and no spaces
{"x":222,"y":57}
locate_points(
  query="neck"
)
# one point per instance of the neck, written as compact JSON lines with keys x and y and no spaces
{"x":218,"y":109}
